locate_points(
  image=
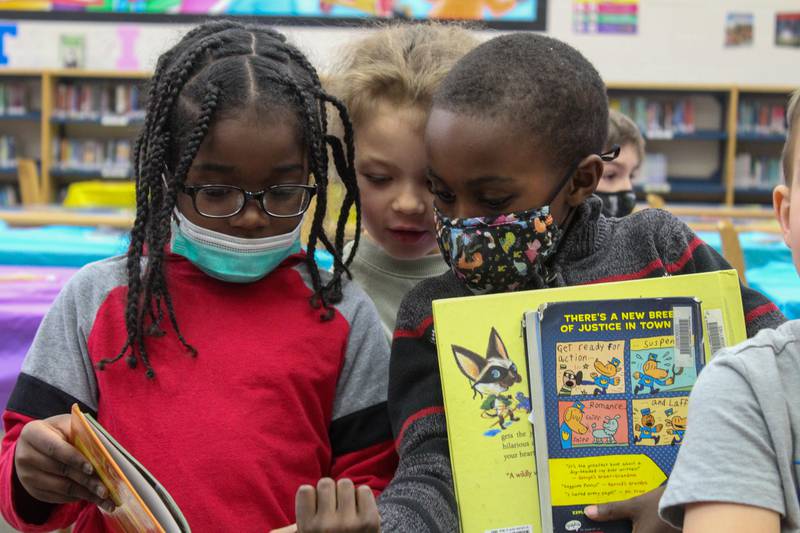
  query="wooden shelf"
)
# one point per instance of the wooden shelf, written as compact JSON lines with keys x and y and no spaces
{"x":700,"y":135}
{"x":759,"y":137}
{"x":668,"y":87}
{"x":20,"y":73}
{"x":34,"y":116}
{"x":99,"y":74}
{"x":764,"y":89}
{"x":108,"y":121}
{"x":78,"y":174}
{"x":61,"y":216}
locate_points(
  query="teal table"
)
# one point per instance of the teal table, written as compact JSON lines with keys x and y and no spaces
{"x":779,"y":282}
{"x":73,"y":246}
{"x":759,"y":249}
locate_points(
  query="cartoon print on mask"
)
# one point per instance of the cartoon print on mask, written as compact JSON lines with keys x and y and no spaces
{"x":526,"y":240}
{"x":491,"y":377}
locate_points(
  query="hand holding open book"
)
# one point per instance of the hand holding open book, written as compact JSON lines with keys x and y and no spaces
{"x":51,"y":470}
{"x":142,"y":504}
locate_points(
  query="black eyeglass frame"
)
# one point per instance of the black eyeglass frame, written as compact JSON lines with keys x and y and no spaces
{"x":192,"y":191}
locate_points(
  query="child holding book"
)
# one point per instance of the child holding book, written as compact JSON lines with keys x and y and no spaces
{"x":387,"y":80}
{"x":514,"y":142}
{"x":215,"y":351}
{"x":737,"y":468}
{"x":615,"y":187}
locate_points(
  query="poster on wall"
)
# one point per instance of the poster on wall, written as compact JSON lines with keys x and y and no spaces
{"x":605,"y":16}
{"x":739,"y":29}
{"x":787,"y":29}
{"x":508,"y":14}
{"x":72,"y":51}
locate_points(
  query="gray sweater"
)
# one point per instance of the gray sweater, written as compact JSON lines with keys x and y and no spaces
{"x":595,"y":249}
{"x":387,"y":280}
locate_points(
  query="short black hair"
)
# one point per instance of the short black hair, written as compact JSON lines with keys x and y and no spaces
{"x":222,"y":69}
{"x":543,"y":87}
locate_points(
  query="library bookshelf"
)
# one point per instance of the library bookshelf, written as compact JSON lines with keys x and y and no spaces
{"x":729,"y":154}
{"x":90,"y":113}
{"x":705,"y":135}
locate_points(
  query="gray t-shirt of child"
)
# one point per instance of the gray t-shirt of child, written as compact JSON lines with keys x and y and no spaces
{"x":743,"y":430}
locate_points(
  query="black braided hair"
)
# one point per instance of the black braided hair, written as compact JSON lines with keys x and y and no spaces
{"x":220,"y":69}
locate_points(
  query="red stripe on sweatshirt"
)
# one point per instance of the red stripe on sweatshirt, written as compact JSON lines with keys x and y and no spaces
{"x":422,"y":413}
{"x":643,"y":273}
{"x":416,"y":332}
{"x":684,"y":258}
{"x":761,"y":310}
{"x":655,"y":265}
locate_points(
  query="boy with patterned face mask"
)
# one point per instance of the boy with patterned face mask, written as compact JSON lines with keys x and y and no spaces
{"x":515,"y":144}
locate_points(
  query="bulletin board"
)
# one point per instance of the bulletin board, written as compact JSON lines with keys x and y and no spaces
{"x":501,"y":14}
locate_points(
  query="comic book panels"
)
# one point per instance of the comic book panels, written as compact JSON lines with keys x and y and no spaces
{"x":589,"y":374}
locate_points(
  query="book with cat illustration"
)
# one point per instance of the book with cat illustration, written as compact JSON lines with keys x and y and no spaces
{"x":484,"y":375}
{"x":610,"y":384}
{"x":142,"y":504}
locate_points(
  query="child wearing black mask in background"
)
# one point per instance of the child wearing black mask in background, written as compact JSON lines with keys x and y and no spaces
{"x":616,"y":186}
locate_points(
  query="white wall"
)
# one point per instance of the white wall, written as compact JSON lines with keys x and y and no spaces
{"x":678,"y":41}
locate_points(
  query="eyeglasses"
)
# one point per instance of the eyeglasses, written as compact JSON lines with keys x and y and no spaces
{"x":223,"y":201}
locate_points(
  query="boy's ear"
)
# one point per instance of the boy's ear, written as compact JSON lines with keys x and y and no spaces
{"x":585,"y":180}
{"x":781,"y":202}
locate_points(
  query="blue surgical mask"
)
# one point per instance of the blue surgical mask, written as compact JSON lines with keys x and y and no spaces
{"x":229,"y":258}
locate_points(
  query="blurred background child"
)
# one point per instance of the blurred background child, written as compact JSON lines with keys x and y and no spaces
{"x":616,"y":186}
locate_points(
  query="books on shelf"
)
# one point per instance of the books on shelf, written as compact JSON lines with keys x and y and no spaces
{"x":658,"y":119}
{"x":109,"y":157}
{"x":17,"y":98}
{"x":8,"y":196}
{"x":757,"y":170}
{"x":761,"y":118}
{"x":8,"y":151}
{"x":113,"y":104}
{"x":654,"y":170}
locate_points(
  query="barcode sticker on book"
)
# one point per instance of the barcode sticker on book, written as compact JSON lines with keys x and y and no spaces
{"x":682,"y":329}
{"x":716,"y":330}
{"x":514,"y":529}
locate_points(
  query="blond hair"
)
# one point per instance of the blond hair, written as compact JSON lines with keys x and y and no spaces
{"x":622,"y":130}
{"x":792,"y":118}
{"x":401,"y":64}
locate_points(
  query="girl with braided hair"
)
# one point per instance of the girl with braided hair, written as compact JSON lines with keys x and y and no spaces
{"x":215,"y":350}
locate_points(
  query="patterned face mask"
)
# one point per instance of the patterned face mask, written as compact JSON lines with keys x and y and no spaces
{"x":504,"y":253}
{"x":501,"y":253}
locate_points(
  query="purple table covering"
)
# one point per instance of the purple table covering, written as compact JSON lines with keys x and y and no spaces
{"x":26,"y":293}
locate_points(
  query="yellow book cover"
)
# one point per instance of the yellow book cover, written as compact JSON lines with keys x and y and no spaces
{"x":481,"y":350}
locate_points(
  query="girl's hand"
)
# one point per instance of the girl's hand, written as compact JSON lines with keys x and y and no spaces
{"x":51,"y":470}
{"x":641,"y":510}
{"x":335,"y":507}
